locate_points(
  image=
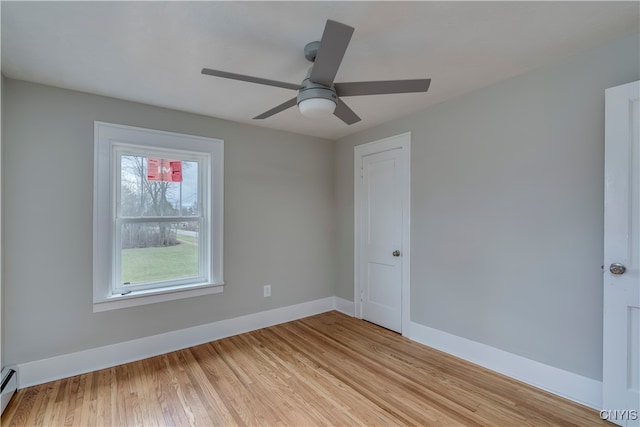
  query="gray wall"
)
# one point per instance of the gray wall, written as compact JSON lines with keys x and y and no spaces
{"x":507,"y":210}
{"x":278,"y":222}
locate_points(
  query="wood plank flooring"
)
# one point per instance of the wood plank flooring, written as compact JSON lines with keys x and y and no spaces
{"x":328,"y":369}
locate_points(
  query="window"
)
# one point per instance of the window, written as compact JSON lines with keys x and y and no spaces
{"x":158,"y":208}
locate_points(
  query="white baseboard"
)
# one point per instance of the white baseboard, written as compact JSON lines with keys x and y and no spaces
{"x":583,"y":390}
{"x":68,"y":365}
{"x":345,"y":306}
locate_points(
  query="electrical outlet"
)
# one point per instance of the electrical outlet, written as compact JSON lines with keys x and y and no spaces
{"x":267,"y":291}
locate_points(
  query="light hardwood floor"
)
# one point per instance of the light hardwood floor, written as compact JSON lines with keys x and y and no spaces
{"x":328,"y":369}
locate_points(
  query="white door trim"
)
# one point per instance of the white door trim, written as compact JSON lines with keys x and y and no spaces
{"x":402,"y":142}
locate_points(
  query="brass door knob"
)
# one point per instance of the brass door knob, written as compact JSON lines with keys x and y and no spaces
{"x":396,"y":253}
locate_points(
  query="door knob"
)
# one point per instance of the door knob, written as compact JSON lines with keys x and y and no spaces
{"x":617,"y":268}
{"x":396,"y":253}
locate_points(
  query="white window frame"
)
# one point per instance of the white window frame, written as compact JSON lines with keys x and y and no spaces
{"x":112,"y":140}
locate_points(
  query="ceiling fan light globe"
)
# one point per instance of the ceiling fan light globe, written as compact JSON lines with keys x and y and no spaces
{"x":316,"y":107}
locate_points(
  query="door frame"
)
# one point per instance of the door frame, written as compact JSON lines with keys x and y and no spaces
{"x":398,"y":142}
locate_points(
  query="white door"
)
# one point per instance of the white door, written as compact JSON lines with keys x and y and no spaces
{"x":621,"y":334}
{"x":382,"y":193}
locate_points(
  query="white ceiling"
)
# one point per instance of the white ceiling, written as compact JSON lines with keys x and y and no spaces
{"x":152,"y":52}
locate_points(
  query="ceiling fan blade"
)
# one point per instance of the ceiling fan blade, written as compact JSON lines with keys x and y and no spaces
{"x":344,"y":113}
{"x":287,"y":104}
{"x":333,"y":45}
{"x":382,"y":87}
{"x":250,"y":79}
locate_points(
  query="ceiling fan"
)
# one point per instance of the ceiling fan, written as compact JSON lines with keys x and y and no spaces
{"x":318,"y":95}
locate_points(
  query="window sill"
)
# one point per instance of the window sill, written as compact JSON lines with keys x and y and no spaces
{"x":133,"y":299}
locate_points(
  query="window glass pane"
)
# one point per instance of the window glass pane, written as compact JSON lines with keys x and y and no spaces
{"x":159,"y":251}
{"x":150,"y":186}
{"x":189,"y":202}
{"x":132,"y":174}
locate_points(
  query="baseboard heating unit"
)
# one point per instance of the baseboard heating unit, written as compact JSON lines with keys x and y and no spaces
{"x":9,"y":386}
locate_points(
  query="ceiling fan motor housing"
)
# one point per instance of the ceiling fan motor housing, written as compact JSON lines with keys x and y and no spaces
{"x":316,"y":90}
{"x":311,"y":89}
